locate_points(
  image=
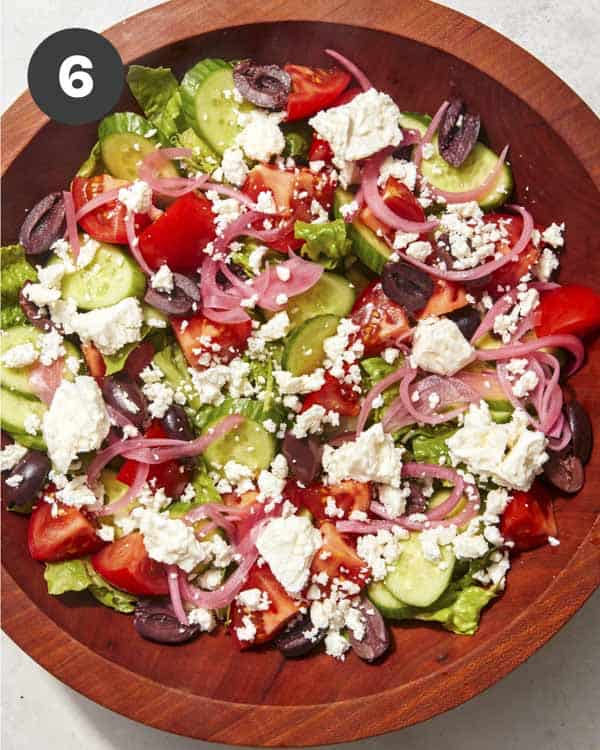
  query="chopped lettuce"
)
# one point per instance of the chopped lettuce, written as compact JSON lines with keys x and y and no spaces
{"x":459,"y":610}
{"x":79,"y":575}
{"x":11,"y":316}
{"x":205,"y":492}
{"x":298,"y":137}
{"x":375,"y":369}
{"x":93,"y":165}
{"x":325,"y":243}
{"x":70,"y":575}
{"x":157,"y":92}
{"x":432,"y":448}
{"x":16,"y":270}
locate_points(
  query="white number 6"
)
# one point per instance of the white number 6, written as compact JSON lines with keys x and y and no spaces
{"x":67,"y":76}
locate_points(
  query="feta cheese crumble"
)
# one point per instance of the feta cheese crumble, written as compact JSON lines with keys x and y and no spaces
{"x":439,"y":346}
{"x":137,"y":197}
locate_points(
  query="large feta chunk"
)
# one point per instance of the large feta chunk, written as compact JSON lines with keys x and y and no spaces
{"x":137,"y":197}
{"x":439,"y":346}
{"x":76,"y":421}
{"x":360,"y":128}
{"x":288,"y":545}
{"x":510,"y":454}
{"x":110,"y":328}
{"x":261,"y":137}
{"x":169,"y":540}
{"x":372,"y":457}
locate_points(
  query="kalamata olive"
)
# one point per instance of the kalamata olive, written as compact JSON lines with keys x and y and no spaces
{"x":5,"y":439}
{"x":467,"y":319}
{"x":581,"y":430}
{"x":376,"y":640}
{"x":33,"y":469}
{"x":294,"y":643}
{"x":155,"y":620}
{"x":45,"y":223}
{"x":123,"y":394}
{"x":457,"y":133}
{"x":303,"y":456}
{"x":176,"y":423}
{"x":564,"y":471}
{"x":180,"y":301}
{"x":266,"y":86}
{"x":34,"y":315}
{"x":416,"y":502}
{"x":406,"y":285}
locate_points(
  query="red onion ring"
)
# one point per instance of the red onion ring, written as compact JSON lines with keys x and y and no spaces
{"x":96,"y":202}
{"x":134,"y":244}
{"x":417,"y":154}
{"x":564,"y":341}
{"x":139,"y":480}
{"x":360,"y":77}
{"x":499,"y":307}
{"x":175,"y":594}
{"x":375,"y":391}
{"x":71,"y":232}
{"x":45,"y":379}
{"x":478,"y":192}
{"x":373,"y":199}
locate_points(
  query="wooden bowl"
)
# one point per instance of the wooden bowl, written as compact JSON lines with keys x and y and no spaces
{"x":418,"y":52}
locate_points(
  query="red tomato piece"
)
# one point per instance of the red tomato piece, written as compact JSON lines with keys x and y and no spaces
{"x":510,"y":274}
{"x":347,"y":96}
{"x":348,"y":495}
{"x":179,"y":236}
{"x":94,"y":360}
{"x":126,"y":564}
{"x":106,"y":223}
{"x":68,"y":535}
{"x":171,"y":476}
{"x":381,"y":321}
{"x":447,"y":296}
{"x":320,"y":150}
{"x":193,"y":333}
{"x":335,"y":396}
{"x":313,"y":89}
{"x":270,"y":621}
{"x":573,"y":308}
{"x":529,"y":520}
{"x":341,"y":560}
{"x":400,"y":200}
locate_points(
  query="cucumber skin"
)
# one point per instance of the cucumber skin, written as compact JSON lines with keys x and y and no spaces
{"x":126,"y":126}
{"x":367,"y":247}
{"x":294,"y":341}
{"x":128,"y":123}
{"x":390,"y":606}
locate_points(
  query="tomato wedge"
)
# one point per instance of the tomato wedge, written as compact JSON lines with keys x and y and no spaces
{"x":178,"y":237}
{"x":270,"y":621}
{"x":320,"y":150}
{"x":335,"y":396}
{"x":171,"y":476}
{"x":106,"y":223}
{"x":348,"y":495}
{"x":529,"y":520}
{"x":447,"y":296}
{"x":313,"y":89}
{"x":194,"y":333}
{"x":126,"y":564}
{"x":510,"y":274}
{"x":93,"y":359}
{"x":68,"y":535}
{"x":341,"y":560}
{"x":573,"y":308}
{"x":381,"y":321}
{"x":397,"y":196}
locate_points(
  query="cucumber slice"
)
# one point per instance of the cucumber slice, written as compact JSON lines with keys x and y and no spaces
{"x":472,"y":173}
{"x":360,"y":276}
{"x":441,"y":495}
{"x":250,"y":443}
{"x":331,"y":295}
{"x":389,"y":606}
{"x":36,"y":442}
{"x":17,"y":378}
{"x":303,"y":351}
{"x":112,"y":276}
{"x":15,"y":409}
{"x":418,"y":581}
{"x":475,"y":170}
{"x":367,"y":246}
{"x":211,"y":112}
{"x":125,"y":138}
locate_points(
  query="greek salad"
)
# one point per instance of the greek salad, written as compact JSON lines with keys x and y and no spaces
{"x":285,"y":358}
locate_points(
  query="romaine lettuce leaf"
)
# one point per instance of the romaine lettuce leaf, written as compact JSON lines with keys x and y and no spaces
{"x":108,"y":595}
{"x":325,"y":243}
{"x":157,"y":92}
{"x":93,"y":165}
{"x":16,"y":270}
{"x":459,"y":610}
{"x":70,"y":575}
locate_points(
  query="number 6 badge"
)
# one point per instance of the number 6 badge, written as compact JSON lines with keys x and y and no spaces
{"x":75,"y":76}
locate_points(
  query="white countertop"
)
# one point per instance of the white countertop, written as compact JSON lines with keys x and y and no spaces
{"x":549,"y":703}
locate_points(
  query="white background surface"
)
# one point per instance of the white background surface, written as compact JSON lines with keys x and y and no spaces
{"x":552,"y":701}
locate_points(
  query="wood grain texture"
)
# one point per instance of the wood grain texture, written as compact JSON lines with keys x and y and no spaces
{"x":417,"y":51}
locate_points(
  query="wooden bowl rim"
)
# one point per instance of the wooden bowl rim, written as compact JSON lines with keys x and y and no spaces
{"x":176,"y":710}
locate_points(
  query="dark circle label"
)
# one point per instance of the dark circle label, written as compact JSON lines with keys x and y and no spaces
{"x":75,"y":76}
